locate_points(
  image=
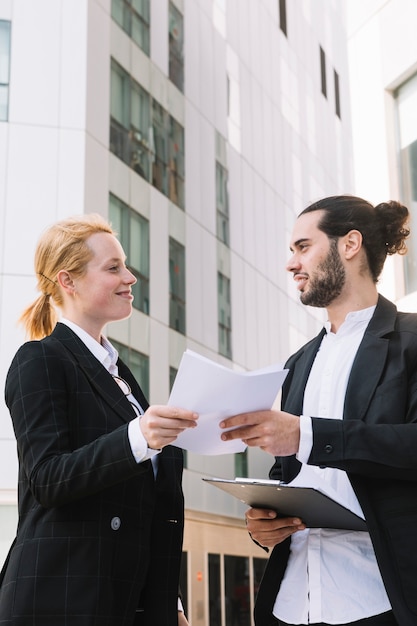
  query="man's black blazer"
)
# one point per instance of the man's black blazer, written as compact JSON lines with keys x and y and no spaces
{"x":375,"y":443}
{"x":97,"y":536}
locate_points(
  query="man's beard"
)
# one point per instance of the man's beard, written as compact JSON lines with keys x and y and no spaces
{"x":327,"y":283}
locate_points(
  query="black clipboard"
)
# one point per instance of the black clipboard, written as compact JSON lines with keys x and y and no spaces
{"x":313,"y":507}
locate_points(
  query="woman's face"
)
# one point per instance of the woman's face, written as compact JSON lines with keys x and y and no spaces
{"x":103,"y":293}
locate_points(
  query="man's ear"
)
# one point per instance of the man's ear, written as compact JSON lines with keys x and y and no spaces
{"x":66,"y":282}
{"x":351,"y":244}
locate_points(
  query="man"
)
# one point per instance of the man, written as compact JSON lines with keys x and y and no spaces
{"x":349,"y":414}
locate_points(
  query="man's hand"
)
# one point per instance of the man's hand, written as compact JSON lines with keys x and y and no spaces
{"x":275,"y":432}
{"x":267,"y":529}
{"x":161,"y":425}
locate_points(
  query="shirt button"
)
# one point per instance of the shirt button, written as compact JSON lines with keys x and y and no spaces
{"x":328,"y":448}
{"x":115,"y":523}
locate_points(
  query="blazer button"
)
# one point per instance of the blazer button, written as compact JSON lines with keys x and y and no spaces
{"x":115,"y":523}
{"x":328,"y":448}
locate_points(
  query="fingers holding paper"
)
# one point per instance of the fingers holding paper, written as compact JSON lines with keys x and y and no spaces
{"x":267,"y":529}
{"x":275,"y":432}
{"x":161,"y":425}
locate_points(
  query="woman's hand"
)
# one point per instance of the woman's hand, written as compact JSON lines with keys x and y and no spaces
{"x":161,"y":425}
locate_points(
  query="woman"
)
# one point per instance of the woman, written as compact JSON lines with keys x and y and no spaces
{"x":100,"y":500}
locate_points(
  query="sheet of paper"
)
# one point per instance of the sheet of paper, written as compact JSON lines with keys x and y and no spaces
{"x":215,"y":392}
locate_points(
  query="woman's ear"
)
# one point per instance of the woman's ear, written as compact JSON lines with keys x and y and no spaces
{"x":66,"y":282}
{"x":351,"y":244}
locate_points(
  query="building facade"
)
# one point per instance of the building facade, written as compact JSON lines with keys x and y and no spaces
{"x":200,"y":128}
{"x":383,"y":82}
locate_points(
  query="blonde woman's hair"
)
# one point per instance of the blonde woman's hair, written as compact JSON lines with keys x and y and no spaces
{"x":61,"y":247}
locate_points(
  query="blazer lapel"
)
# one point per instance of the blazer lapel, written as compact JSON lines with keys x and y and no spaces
{"x":370,"y":360}
{"x":366,"y":370}
{"x":99,"y":377}
{"x":294,"y":398}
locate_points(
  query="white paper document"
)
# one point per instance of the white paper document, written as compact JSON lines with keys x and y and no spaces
{"x":215,"y":392}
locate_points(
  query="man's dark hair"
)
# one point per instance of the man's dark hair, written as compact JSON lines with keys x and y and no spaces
{"x":383,"y":227}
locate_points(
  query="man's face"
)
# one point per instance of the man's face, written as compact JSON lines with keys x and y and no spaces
{"x":316,"y":263}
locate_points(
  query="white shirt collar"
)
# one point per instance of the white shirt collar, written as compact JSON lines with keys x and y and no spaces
{"x":104,"y":351}
{"x":353,"y":318}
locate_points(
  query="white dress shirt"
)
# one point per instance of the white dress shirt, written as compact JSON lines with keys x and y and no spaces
{"x":108,"y":355}
{"x":332,"y":575}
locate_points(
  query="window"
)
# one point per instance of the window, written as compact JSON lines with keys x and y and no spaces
{"x":168,"y":155}
{"x":176,"y":286}
{"x":130,"y":127}
{"x":133,"y":232}
{"x":237,"y":590}
{"x":406,"y":103}
{"x":5,"y":28}
{"x":145,"y":137}
{"x":337,"y":94}
{"x":224,"y":316}
{"x":172,"y":374}
{"x":222,"y":193}
{"x":241,"y":464}
{"x":258,"y":572}
{"x":215,"y":590}
{"x":323,"y":72}
{"x":137,"y":362}
{"x":134,"y":17}
{"x":176,"y":47}
{"x":230,"y":586}
{"x":222,"y":204}
{"x":283,"y":16}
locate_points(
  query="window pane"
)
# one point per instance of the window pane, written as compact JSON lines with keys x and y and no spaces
{"x":177,"y":286}
{"x":237,"y":590}
{"x":138,"y":363}
{"x":258,"y":571}
{"x":283,"y":16}
{"x":176,"y":47}
{"x":4,"y":52}
{"x":140,"y":33}
{"x":4,"y":103}
{"x":323,"y":72}
{"x":115,"y":216}
{"x":241,"y":464}
{"x":119,"y":102}
{"x":133,"y":16}
{"x":222,"y":204}
{"x":117,"y":10}
{"x":120,"y":112}
{"x":214,"y":590}
{"x":176,"y":163}
{"x":224,"y":316}
{"x":139,"y":260}
{"x":139,"y":244}
{"x":142,"y":7}
{"x":133,"y":233}
{"x":4,"y":69}
{"x":139,"y":135}
{"x":337,"y":93}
